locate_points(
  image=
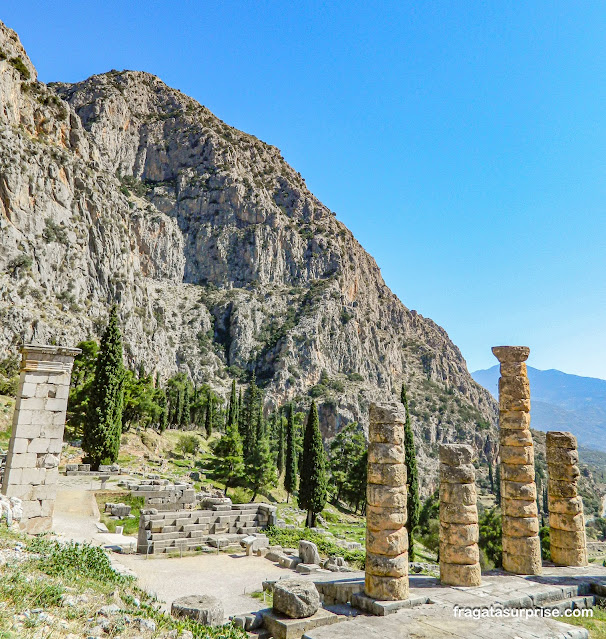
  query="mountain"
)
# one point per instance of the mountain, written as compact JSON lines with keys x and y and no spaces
{"x":121,"y":189}
{"x":562,"y":402}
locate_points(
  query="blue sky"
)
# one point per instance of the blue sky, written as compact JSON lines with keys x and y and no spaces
{"x":462,"y":142}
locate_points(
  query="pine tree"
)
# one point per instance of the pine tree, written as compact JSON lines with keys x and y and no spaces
{"x":290,"y":475}
{"x":103,"y":427}
{"x":208,"y":422}
{"x":412,"y":476}
{"x":313,"y":486}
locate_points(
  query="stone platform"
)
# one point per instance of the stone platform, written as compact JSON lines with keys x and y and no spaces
{"x":560,"y":588}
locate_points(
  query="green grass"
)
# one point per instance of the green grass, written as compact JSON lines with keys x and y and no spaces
{"x":55,"y":570}
{"x":131,"y":526}
{"x":596,"y":625}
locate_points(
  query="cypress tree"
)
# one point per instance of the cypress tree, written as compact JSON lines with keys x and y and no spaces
{"x":230,"y":467}
{"x":232,"y":408}
{"x":208,"y":422}
{"x":290,"y":475}
{"x":497,"y":481}
{"x":103,"y":427}
{"x":262,"y":471}
{"x":163,"y":422}
{"x":186,"y":410}
{"x":313,"y":485}
{"x":281,"y":445}
{"x":412,"y":476}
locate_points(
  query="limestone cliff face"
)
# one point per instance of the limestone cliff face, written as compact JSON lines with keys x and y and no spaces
{"x":120,"y":188}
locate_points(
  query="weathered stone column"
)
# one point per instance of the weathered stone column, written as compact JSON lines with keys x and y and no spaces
{"x":386,"y":535}
{"x":566,"y":520}
{"x":459,"y":552}
{"x":32,"y":465}
{"x":521,"y":544}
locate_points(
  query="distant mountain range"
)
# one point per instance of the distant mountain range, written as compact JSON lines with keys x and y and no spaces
{"x":561,"y":402}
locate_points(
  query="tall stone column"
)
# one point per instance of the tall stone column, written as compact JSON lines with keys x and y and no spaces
{"x":566,"y":520}
{"x":521,"y":544}
{"x":386,"y":535}
{"x":32,"y":464}
{"x":459,"y":552}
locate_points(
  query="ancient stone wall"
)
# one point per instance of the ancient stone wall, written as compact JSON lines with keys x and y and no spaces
{"x":459,"y":552}
{"x":566,"y":520}
{"x":37,"y":436}
{"x":386,"y":535}
{"x":521,"y":544}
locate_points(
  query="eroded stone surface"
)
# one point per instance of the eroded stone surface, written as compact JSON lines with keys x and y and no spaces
{"x":296,"y":598}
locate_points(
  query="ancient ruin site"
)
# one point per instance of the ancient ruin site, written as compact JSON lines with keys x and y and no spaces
{"x":217,"y":421}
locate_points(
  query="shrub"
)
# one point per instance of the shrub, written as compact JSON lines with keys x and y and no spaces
{"x":188,"y":444}
{"x":18,"y":64}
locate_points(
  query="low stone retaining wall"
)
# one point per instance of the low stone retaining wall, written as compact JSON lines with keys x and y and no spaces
{"x":162,"y":495}
{"x":85,"y":469}
{"x":161,"y":532}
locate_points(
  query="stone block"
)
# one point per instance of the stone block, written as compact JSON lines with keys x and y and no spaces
{"x":21,"y":491}
{"x":35,"y":404}
{"x":511,"y":354}
{"x":19,"y":445}
{"x":32,"y":508}
{"x":47,"y":507}
{"x":465,"y":494}
{"x":39,"y":445}
{"x":386,"y":588}
{"x":523,"y":473}
{"x":22,"y":460}
{"x":55,"y":405}
{"x":560,"y":439}
{"x":520,"y":526}
{"x":386,"y":496}
{"x":279,"y":626}
{"x":387,"y":474}
{"x":456,"y":454}
{"x":572,"y":556}
{"x":464,"y":474}
{"x":562,"y":457}
{"x":563,"y":521}
{"x":387,"y":566}
{"x":513,"y":437}
{"x":514,"y":420}
{"x":28,"y":390}
{"x":59,"y":418}
{"x":459,"y":535}
{"x":296,"y":598}
{"x":12,"y":477}
{"x":44,"y":492}
{"x":55,"y":446}
{"x":458,"y":514}
{"x":52,"y":431}
{"x":307,"y":569}
{"x":561,"y":489}
{"x":519,"y":508}
{"x":564,"y":473}
{"x":386,"y":434}
{"x":523,"y":546}
{"x":571,"y":506}
{"x":516,"y":454}
{"x":33,"y":476}
{"x":386,"y":454}
{"x":205,"y":609}
{"x":387,"y":413}
{"x":518,"y":490}
{"x":387,"y":542}
{"x":464,"y":555}
{"x":308,"y":552}
{"x":29,"y":431}
{"x":460,"y":575}
{"x":380,"y":518}
{"x":529,"y":564}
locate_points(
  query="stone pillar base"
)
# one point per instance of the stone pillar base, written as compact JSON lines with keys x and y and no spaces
{"x":386,"y":588}
{"x":460,"y":575}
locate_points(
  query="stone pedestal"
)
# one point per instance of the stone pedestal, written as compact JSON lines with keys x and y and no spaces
{"x":459,"y":552}
{"x":521,"y":544}
{"x":566,"y":520}
{"x":386,"y":494}
{"x":37,"y":436}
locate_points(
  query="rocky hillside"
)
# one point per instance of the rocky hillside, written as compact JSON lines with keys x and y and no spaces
{"x":120,"y":188}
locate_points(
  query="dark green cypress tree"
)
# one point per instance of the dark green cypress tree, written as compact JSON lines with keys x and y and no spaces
{"x":262,"y":470}
{"x":412,"y":476}
{"x":163,"y":421}
{"x":103,"y":428}
{"x":208,"y":422}
{"x":232,"y":408}
{"x":290,"y":475}
{"x":497,"y":485}
{"x":186,"y":410}
{"x":313,"y":475}
{"x":281,"y":444}
{"x":230,"y":466}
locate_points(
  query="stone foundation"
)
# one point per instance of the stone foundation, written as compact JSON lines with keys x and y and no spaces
{"x":162,"y":495}
{"x":32,"y":464}
{"x":459,"y":552}
{"x":566,"y":521}
{"x":192,"y":529}
{"x":521,"y":544}
{"x":386,"y":495}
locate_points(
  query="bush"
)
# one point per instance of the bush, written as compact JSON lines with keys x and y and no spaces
{"x":18,"y":64}
{"x":545,"y":543}
{"x":9,"y":376}
{"x":188,"y":444}
{"x":490,"y":536}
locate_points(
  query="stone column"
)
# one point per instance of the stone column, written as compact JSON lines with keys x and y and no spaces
{"x":521,"y":544}
{"x":32,"y":465}
{"x":386,"y":535}
{"x":566,"y":519}
{"x":459,"y":552}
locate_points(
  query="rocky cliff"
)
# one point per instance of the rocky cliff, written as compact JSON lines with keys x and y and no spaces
{"x":120,"y":188}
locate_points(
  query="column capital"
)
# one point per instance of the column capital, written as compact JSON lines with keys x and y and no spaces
{"x":511,"y":354}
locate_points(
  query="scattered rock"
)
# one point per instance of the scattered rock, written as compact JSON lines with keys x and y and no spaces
{"x":308,"y":551}
{"x":203,"y":608}
{"x":296,"y":598}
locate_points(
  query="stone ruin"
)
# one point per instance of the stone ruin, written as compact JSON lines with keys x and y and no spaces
{"x":566,"y":521}
{"x":162,"y":495}
{"x":32,"y":465}
{"x":386,"y":495}
{"x":217,"y":527}
{"x":521,"y":544}
{"x":459,"y":534}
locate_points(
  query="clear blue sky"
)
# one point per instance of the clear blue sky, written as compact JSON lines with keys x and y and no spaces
{"x":464,"y":143}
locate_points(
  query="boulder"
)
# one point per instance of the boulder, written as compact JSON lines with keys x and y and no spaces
{"x":296,"y":598}
{"x":308,"y":552}
{"x":206,"y":609}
